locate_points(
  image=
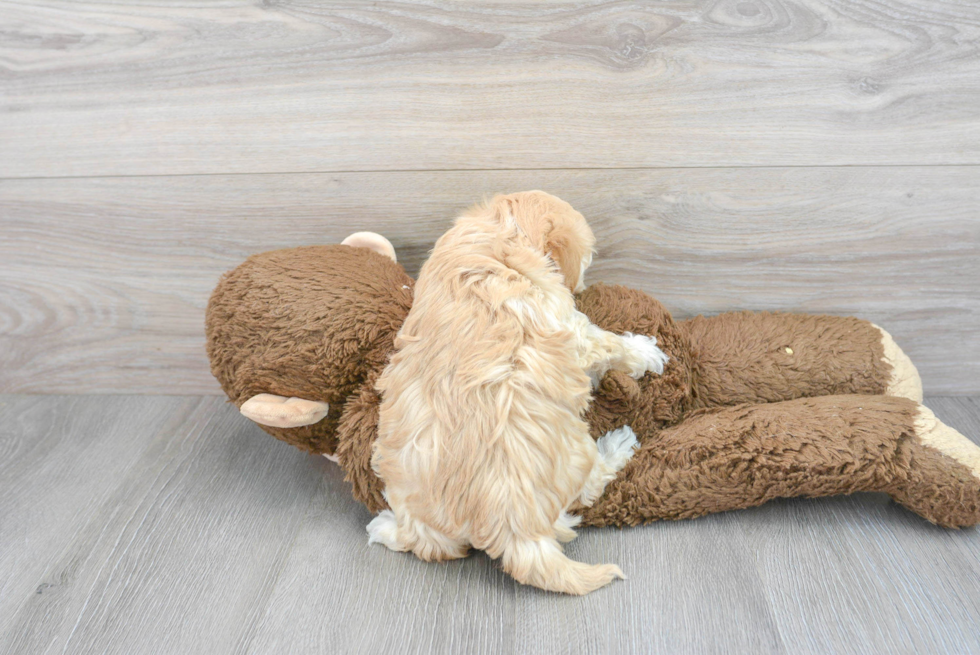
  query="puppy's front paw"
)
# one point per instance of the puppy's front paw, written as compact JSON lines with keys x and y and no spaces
{"x":649,"y":356}
{"x":615,"y":450}
{"x":617,"y":447}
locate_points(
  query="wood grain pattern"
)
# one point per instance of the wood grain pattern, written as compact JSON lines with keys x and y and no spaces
{"x":48,"y":451}
{"x":148,"y":524}
{"x":104,"y":280}
{"x":691,"y":587}
{"x":338,"y":594}
{"x":98,"y":88}
{"x":179,"y":556}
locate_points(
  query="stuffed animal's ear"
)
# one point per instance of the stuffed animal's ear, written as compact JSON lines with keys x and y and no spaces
{"x":371,"y":241}
{"x":281,"y":412}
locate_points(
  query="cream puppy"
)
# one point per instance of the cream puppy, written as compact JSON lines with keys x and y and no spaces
{"x":481,"y":440}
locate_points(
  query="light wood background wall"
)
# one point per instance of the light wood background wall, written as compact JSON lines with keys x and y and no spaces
{"x":801,"y":155}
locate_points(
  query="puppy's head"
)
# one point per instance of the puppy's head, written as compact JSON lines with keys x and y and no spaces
{"x":551,"y":226}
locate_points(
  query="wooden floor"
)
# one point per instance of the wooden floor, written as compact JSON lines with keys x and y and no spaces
{"x":142,"y":524}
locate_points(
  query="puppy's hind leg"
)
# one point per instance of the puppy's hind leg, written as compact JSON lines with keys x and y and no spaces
{"x":527,"y":543}
{"x":615,"y":450}
{"x":383,"y":529}
{"x":411,"y":534}
{"x":565,"y":526}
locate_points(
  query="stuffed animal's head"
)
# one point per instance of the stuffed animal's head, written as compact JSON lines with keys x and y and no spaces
{"x":307,"y":326}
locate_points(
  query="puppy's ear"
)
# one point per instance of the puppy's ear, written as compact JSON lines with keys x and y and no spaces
{"x":520,"y":213}
{"x":567,"y":249}
{"x":551,"y":226}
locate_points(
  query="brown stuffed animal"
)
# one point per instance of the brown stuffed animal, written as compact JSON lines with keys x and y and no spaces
{"x":751,"y":406}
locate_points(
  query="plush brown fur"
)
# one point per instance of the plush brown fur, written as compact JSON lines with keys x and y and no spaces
{"x":748,"y":357}
{"x":736,"y":419}
{"x":309,"y":322}
{"x":734,"y":457}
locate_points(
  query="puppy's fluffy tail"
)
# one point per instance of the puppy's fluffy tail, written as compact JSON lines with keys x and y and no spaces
{"x":543,"y":564}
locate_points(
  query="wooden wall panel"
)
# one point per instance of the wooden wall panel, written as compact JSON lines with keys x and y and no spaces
{"x":104,"y":281}
{"x":99,"y":88}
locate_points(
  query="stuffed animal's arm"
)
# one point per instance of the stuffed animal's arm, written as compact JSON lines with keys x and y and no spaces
{"x":748,"y":357}
{"x":357,"y":433}
{"x":736,"y":457}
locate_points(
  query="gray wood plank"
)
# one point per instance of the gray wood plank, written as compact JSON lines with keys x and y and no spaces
{"x":104,"y":280}
{"x":99,"y":88}
{"x":691,"y":587}
{"x":337,"y":594}
{"x":182,"y":554}
{"x":61,"y":459}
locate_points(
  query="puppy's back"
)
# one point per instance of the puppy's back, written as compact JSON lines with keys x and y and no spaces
{"x":480,"y":368}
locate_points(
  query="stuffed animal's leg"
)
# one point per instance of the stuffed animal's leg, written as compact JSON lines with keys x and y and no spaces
{"x":764,"y":357}
{"x":738,"y":457}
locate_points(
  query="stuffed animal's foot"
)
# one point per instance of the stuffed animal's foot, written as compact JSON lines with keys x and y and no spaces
{"x":936,"y":434}
{"x":942,"y":482}
{"x":281,"y":412}
{"x":371,"y":241}
{"x":904,"y":381}
{"x":615,"y":450}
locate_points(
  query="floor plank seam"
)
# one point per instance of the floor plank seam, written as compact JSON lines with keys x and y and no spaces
{"x":387,"y":171}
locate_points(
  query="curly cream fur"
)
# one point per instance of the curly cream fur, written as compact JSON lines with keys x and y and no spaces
{"x":481,"y":437}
